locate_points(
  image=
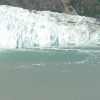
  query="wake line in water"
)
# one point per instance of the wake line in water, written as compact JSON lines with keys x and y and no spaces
{"x":20,"y":28}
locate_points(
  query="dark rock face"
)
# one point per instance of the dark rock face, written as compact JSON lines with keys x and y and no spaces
{"x":48,"y":5}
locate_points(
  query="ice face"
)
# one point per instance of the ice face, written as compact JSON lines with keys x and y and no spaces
{"x":22,"y":28}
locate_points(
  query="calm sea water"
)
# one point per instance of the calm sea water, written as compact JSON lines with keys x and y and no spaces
{"x":50,"y":74}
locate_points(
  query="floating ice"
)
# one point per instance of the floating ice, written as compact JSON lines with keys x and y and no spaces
{"x":20,"y":28}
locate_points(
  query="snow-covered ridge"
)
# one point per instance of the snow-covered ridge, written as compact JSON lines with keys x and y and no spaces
{"x":22,"y":28}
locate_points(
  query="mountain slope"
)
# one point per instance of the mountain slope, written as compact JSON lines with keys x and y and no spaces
{"x":51,"y":5}
{"x":75,"y":7}
{"x":89,"y":8}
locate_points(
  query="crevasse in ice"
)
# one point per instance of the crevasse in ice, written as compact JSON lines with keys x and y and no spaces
{"x":22,"y":28}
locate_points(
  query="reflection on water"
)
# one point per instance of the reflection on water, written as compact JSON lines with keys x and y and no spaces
{"x":48,"y":74}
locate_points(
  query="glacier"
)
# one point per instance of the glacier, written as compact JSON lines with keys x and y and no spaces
{"x":21,"y":28}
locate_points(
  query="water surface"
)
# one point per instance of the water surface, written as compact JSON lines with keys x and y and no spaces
{"x":50,"y":74}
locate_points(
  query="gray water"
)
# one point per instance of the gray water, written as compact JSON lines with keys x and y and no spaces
{"x":50,"y":74}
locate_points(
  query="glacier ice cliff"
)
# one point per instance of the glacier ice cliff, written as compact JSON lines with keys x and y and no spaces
{"x":21,"y":28}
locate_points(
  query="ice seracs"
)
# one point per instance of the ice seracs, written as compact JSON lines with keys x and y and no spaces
{"x":20,"y":28}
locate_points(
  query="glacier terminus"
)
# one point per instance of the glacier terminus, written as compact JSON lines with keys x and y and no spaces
{"x":20,"y":28}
